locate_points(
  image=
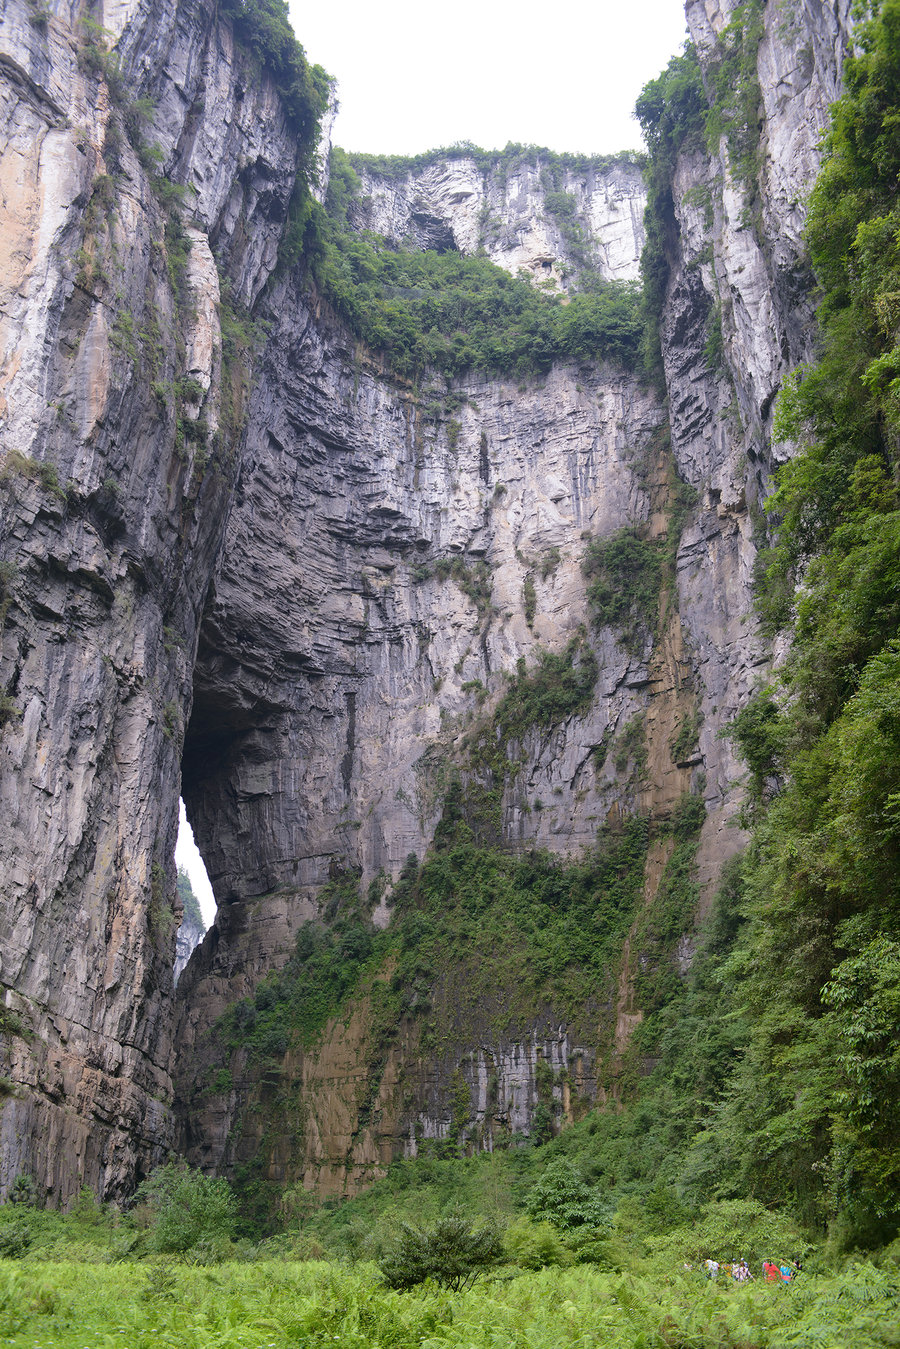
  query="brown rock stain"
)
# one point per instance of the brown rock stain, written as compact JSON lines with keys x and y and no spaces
{"x":671,"y":700}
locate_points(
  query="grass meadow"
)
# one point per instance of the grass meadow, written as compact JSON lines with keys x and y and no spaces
{"x":267,"y":1303}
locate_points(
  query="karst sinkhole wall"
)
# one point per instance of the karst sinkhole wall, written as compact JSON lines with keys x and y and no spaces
{"x":230,"y":582}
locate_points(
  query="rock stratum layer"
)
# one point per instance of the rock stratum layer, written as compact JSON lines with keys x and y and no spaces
{"x":242,"y":559}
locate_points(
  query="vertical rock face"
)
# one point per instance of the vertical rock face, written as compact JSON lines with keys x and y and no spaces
{"x":393,"y":667}
{"x":295,"y":595}
{"x":522,"y":211}
{"x":314,"y":749}
{"x":191,"y":931}
{"x":187,"y":939}
{"x":739,"y":263}
{"x":112,"y":506}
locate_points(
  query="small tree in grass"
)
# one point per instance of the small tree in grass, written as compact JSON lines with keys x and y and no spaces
{"x":189,"y":1209}
{"x":562,"y":1197}
{"x":451,"y":1253}
{"x":23,"y":1190}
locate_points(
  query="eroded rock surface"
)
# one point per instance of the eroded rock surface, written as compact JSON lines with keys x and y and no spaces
{"x":110,"y":522}
{"x":248,"y":567}
{"x":523,"y":214}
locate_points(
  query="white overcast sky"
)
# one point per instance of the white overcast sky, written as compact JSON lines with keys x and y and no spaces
{"x":413,"y":76}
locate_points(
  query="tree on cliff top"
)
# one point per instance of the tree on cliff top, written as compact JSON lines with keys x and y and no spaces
{"x":189,"y":901}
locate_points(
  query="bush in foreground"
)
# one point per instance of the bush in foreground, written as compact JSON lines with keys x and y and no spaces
{"x":451,"y":1253}
{"x":190,"y":1211}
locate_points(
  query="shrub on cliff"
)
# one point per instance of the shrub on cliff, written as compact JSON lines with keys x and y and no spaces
{"x":264,"y":27}
{"x":624,"y":574}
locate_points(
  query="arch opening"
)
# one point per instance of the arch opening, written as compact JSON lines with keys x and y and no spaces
{"x":195,"y":891}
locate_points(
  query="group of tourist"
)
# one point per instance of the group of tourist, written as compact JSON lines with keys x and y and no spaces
{"x":739,"y":1270}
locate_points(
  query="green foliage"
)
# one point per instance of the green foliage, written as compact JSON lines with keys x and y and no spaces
{"x":444,"y":1218}
{"x":631,"y":746}
{"x":734,"y":87}
{"x":473,"y":579}
{"x":15,"y":1238}
{"x":10,"y":1022}
{"x":648,"y":1149}
{"x":685,"y":742}
{"x":171,"y":719}
{"x":9,"y":708}
{"x":672,"y":107}
{"x":96,"y":58}
{"x":479,"y":939}
{"x":739,"y":1229}
{"x":529,"y":599}
{"x":8,"y":575}
{"x":190,"y":1210}
{"x":500,"y":162}
{"x":865,"y":994}
{"x":662,"y":925}
{"x":189,"y":901}
{"x":536,"y":1245}
{"x":756,"y":730}
{"x":549,"y":561}
{"x":87,"y":1232}
{"x":178,"y":252}
{"x":816,"y":971}
{"x":624,"y":575}
{"x":310,"y":1302}
{"x":480,"y":921}
{"x":443,"y":311}
{"x":451,"y":1253}
{"x":325,"y":966}
{"x":560,"y":1196}
{"x":23,"y":1189}
{"x":848,"y":610}
{"x":714,"y":347}
{"x":557,"y":687}
{"x":38,"y":18}
{"x":672,"y":113}
{"x":263,"y":26}
{"x":18,"y":465}
{"x":241,"y":339}
{"x":844,"y":404}
{"x":560,"y":204}
{"x":677,"y":113}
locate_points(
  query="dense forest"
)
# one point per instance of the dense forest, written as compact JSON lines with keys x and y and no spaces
{"x":810,"y":1113}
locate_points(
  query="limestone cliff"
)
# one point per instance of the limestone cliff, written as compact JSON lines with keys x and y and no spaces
{"x":527,"y":473}
{"x":524,"y":211}
{"x":242,"y":557}
{"x":118,"y":413}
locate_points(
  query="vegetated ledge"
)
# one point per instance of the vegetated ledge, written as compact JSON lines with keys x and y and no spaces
{"x":502,"y":161}
{"x":443,"y":311}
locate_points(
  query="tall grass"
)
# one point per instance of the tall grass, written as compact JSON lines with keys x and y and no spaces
{"x":269,"y":1304}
